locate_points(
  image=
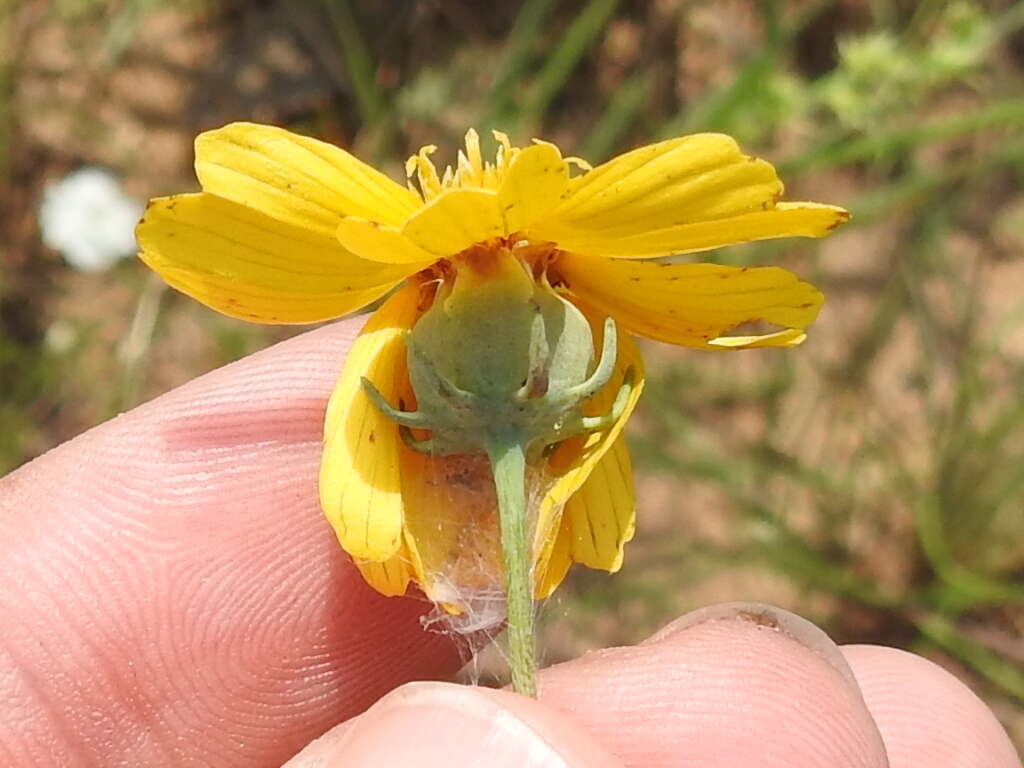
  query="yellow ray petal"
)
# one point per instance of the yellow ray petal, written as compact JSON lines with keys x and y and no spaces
{"x":782,"y":220}
{"x":247,"y":265}
{"x":451,"y":519}
{"x":296,"y":179}
{"x":791,"y":337}
{"x":679,"y":181}
{"x":553,"y":561}
{"x":692,"y":305}
{"x":574,"y":460}
{"x":532,"y":185}
{"x":360,"y":484}
{"x":602,"y":513}
{"x":379,"y":242}
{"x":390,"y":577}
{"x":595,"y":523}
{"x":455,"y":220}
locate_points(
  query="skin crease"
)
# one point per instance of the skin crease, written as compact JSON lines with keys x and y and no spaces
{"x":173,"y":596}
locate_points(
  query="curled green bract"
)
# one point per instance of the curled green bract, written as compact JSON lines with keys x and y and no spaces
{"x":501,"y":358}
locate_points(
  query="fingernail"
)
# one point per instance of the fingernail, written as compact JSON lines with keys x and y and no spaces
{"x":440,"y":724}
{"x":767,"y":618}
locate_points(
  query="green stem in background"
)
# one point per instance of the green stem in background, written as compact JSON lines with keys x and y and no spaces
{"x":134,"y":347}
{"x":944,"y":633}
{"x":371,"y":100}
{"x":515,"y":63}
{"x":843,"y":150}
{"x":358,"y":61}
{"x":584,"y":31}
{"x":963,"y":588}
{"x":625,"y":106}
{"x":508,"y":463}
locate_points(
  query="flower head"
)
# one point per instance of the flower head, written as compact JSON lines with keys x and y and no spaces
{"x":289,"y":229}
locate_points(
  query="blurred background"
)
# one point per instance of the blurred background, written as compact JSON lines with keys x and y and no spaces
{"x":872,"y":480}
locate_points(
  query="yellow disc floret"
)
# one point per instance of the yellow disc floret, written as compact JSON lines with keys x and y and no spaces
{"x":470,"y":171}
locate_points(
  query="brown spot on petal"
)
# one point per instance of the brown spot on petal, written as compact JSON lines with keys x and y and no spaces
{"x":841,"y":219}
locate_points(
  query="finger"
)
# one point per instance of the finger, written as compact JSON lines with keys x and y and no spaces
{"x":171,"y":593}
{"x":737,"y":686}
{"x":451,"y":726}
{"x":928,"y":718}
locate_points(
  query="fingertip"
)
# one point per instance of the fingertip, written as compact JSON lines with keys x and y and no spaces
{"x":734,"y":685}
{"x":452,"y":726}
{"x":767,"y":617}
{"x":926,"y":716}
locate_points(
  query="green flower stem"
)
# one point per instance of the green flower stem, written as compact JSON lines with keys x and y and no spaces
{"x":508,"y":463}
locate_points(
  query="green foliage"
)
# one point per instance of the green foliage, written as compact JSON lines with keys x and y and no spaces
{"x":881,"y":72}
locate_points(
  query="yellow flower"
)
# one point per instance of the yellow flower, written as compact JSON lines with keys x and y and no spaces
{"x":292,"y":230}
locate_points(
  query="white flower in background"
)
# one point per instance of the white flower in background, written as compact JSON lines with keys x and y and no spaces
{"x":89,"y":219}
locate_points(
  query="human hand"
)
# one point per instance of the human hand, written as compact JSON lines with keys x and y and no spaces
{"x":735,"y":685}
{"x":172,"y":596}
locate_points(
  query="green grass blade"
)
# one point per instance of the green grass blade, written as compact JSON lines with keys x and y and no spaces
{"x":625,"y":107}
{"x":986,"y":662}
{"x":1008,"y":113}
{"x":358,"y":61}
{"x":585,"y":29}
{"x":519,"y":50}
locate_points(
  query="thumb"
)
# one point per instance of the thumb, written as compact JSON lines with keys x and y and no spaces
{"x":452,"y":726}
